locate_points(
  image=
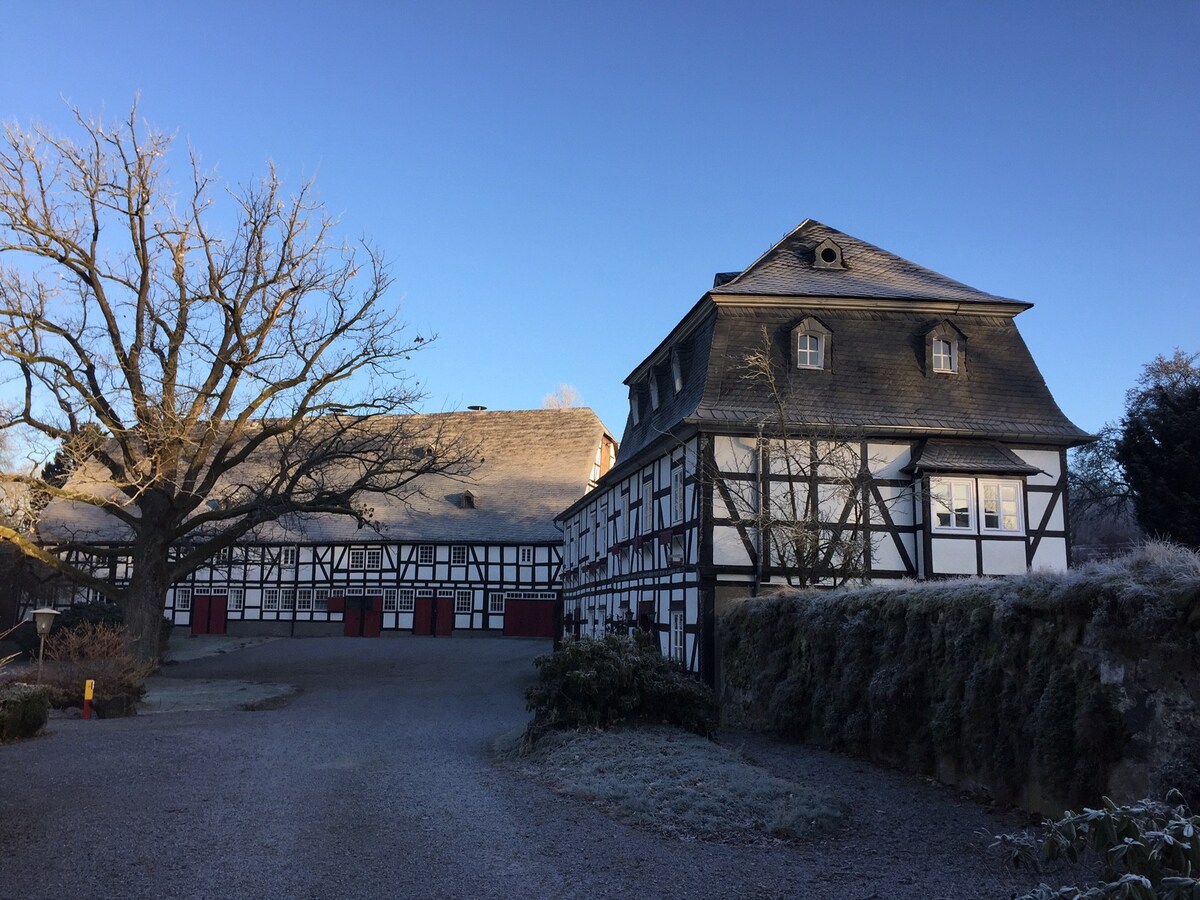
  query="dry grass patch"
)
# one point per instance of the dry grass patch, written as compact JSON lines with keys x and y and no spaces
{"x":678,"y":784}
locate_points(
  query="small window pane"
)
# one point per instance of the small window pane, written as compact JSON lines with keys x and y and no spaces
{"x":462,"y":601}
{"x":425,"y":554}
{"x":458,"y":556}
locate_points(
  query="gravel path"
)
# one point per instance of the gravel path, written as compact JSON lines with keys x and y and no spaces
{"x":377,"y":780}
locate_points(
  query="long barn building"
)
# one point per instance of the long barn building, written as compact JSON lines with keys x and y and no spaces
{"x":476,"y":555}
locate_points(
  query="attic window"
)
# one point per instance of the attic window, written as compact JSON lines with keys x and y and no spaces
{"x":945,"y":355}
{"x":676,"y":371}
{"x":635,"y":407}
{"x":945,"y":350}
{"x":653,"y":391}
{"x":827,"y":255}
{"x":810,"y":344}
{"x":467,"y":500}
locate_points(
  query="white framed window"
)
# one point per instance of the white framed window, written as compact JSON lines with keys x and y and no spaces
{"x":676,"y":496}
{"x":1000,"y":506}
{"x":425,"y":554}
{"x":405,"y":600}
{"x":653,"y":392}
{"x":321,"y":599}
{"x":676,"y":373}
{"x":304,"y":599}
{"x":286,"y":557}
{"x":635,"y":406}
{"x":678,"y":640}
{"x":389,"y":600}
{"x":235,"y":599}
{"x":952,"y":504}
{"x":426,"y":592}
{"x":526,"y":555}
{"x":270,"y":599}
{"x":458,"y":555}
{"x":358,"y":559}
{"x":183,"y":599}
{"x":810,"y":351}
{"x":496,"y":603}
{"x":287,"y":598}
{"x":223,"y":556}
{"x":462,"y":601}
{"x":945,"y":355}
{"x":375,"y":558}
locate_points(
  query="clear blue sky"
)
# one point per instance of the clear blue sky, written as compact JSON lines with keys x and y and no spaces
{"x":557,"y":183}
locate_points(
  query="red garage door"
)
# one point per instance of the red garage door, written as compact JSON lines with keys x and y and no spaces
{"x":528,"y":617}
{"x":209,"y":614}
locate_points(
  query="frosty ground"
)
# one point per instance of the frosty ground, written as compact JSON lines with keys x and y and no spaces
{"x":378,"y":779}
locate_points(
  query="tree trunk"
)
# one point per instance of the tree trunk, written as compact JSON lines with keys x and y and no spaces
{"x":145,"y":598}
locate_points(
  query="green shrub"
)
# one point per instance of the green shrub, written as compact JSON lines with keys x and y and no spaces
{"x":996,"y":684}
{"x":24,"y":709}
{"x":615,"y":680}
{"x":1147,"y":851}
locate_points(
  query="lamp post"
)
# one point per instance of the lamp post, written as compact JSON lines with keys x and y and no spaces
{"x":43,"y":618}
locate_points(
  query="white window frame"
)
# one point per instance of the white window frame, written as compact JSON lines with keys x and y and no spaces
{"x":390,"y":603}
{"x":944,"y":353}
{"x":270,"y":599}
{"x":406,"y":600}
{"x":526,"y":556}
{"x":936,"y":505}
{"x":425,"y":555}
{"x":235,"y":599}
{"x":676,"y":373}
{"x":321,"y":600}
{"x":677,"y":504}
{"x":287,"y":599}
{"x":374,"y":557}
{"x":304,"y":599}
{"x":356,"y":558}
{"x":464,"y":602}
{"x":653,"y":392}
{"x":496,"y":603}
{"x":183,"y":599}
{"x":286,"y":557}
{"x":678,"y":637}
{"x":810,"y":351}
{"x":458,"y":555}
{"x":1000,"y":484}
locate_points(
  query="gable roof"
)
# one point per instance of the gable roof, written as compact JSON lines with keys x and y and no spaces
{"x":534,"y":463}
{"x":787,"y":270}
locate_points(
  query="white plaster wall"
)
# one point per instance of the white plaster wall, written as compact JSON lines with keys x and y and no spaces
{"x":1046,"y":460}
{"x":728,"y":549}
{"x":886,"y":460}
{"x":734,"y":454}
{"x":953,"y":557}
{"x":1051,"y":555}
{"x":1003,"y":557}
{"x":1037,"y":508}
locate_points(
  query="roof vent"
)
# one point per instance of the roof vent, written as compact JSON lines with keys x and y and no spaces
{"x":724,"y":278}
{"x":467,"y":500}
{"x":827,"y":255}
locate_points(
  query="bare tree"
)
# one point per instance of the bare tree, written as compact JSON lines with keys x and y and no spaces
{"x":240,"y":364}
{"x":562,"y":397}
{"x":804,"y":487}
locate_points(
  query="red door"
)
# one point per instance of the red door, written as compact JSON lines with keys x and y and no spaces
{"x":423,"y":616}
{"x":443,"y":616}
{"x":529,"y":618}
{"x":363,"y":617}
{"x":209,"y":614}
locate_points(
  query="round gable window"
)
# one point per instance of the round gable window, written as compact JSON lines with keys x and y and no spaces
{"x":829,"y":255}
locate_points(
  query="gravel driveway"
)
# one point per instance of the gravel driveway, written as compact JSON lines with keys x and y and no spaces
{"x":377,"y":781}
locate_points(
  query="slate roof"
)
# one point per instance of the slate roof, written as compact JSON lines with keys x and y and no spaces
{"x":978,"y":457}
{"x":876,"y":383}
{"x":787,"y":270}
{"x":535,"y":463}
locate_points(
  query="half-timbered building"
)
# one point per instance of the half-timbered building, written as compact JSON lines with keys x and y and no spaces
{"x":956,"y":449}
{"x":477,"y":554}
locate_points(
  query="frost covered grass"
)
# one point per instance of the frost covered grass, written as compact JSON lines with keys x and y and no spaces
{"x":678,"y":784}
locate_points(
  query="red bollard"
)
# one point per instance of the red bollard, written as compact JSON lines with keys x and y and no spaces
{"x":89,"y":688}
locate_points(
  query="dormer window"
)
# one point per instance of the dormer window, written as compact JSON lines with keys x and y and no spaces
{"x":676,"y":371}
{"x":827,"y":255}
{"x":635,"y":408}
{"x":945,"y":355}
{"x":653,"y":391}
{"x":810,"y":344}
{"x":945,"y":349}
